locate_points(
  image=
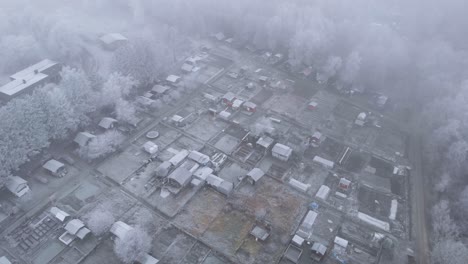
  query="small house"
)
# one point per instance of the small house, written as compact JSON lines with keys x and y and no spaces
{"x":323,"y":192}
{"x":225,"y":115}
{"x":113,"y":41}
{"x":260,"y":233}
{"x":250,"y":86}
{"x":159,"y":90}
{"x":299,"y":185}
{"x":220,"y":184}
{"x":297,"y":240}
{"x":255,"y":175}
{"x":202,"y":173}
{"x":316,"y":138}
{"x":107,"y":123}
{"x":263,"y":79}
{"x":217,"y":160}
{"x":75,"y":228}
{"x":83,"y":138}
{"x":177,"y":159}
{"x":229,"y":98}
{"x":62,"y":216}
{"x":173,"y":79}
{"x":309,"y":220}
{"x":381,"y":101}
{"x":199,"y":158}
{"x":344,"y":184}
{"x":250,"y":107}
{"x":151,"y":148}
{"x":17,"y":186}
{"x":265,"y":142}
{"x":324,"y":162}
{"x":178,"y":120}
{"x":281,"y":152}
{"x":56,"y":168}
{"x":211,"y":98}
{"x":237,"y":104}
{"x":361,"y":119}
{"x":120,"y":229}
{"x":178,"y":179}
{"x":312,"y":105}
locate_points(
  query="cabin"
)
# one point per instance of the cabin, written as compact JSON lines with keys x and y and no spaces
{"x":55,"y":168}
{"x":17,"y":186}
{"x":281,"y":152}
{"x":113,"y":41}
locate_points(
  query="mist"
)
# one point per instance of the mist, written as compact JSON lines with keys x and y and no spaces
{"x":413,"y":52}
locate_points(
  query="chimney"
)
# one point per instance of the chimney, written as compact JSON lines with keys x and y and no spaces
{"x":36,"y":71}
{"x":24,"y":81}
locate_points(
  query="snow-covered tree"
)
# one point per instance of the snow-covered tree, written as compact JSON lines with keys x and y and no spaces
{"x":132,"y":246}
{"x":116,"y":88}
{"x":449,"y":252}
{"x":442,"y":223}
{"x":125,"y":111}
{"x":101,"y":145}
{"x":100,"y":221}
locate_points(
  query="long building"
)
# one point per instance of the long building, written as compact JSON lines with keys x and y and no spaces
{"x":26,"y":80}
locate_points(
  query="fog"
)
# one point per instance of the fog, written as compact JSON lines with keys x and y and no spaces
{"x":414,"y":52}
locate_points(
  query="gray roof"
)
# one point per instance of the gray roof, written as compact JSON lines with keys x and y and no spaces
{"x":259,"y":233}
{"x":83,"y":138}
{"x":119,"y":229}
{"x":199,"y":157}
{"x":14,"y":182}
{"x":107,"y":122}
{"x":265,"y":142}
{"x":18,"y":85}
{"x":309,"y":220}
{"x":59,"y":214}
{"x":229,"y":96}
{"x":281,"y":149}
{"x":319,"y":248}
{"x":255,"y":174}
{"x":74,"y":226}
{"x":160,"y":89}
{"x":181,"y":175}
{"x":53,"y":165}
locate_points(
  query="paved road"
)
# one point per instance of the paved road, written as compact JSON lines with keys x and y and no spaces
{"x":419,"y":221}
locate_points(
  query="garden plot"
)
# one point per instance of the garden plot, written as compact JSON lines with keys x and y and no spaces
{"x":312,"y":118}
{"x":274,"y":167}
{"x":171,"y":245}
{"x":382,"y":168}
{"x":356,"y":161}
{"x":104,"y":253}
{"x":374,"y":203}
{"x":86,"y":193}
{"x":314,"y":176}
{"x":331,"y":149}
{"x":172,"y":204}
{"x":262,"y":96}
{"x":114,"y":200}
{"x":232,"y":173}
{"x":139,"y":182}
{"x":197,"y":215}
{"x":287,"y":104}
{"x":228,"y":84}
{"x":390,"y":144}
{"x":206,"y":127}
{"x":144,"y":218}
{"x":120,"y":166}
{"x":346,"y":110}
{"x":362,"y":137}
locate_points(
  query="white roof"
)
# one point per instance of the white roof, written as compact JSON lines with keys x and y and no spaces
{"x":323,"y":192}
{"x":199,"y":157}
{"x":214,"y":180}
{"x":255,"y":174}
{"x":179,"y":157}
{"x":59,"y":214}
{"x":107,"y":122}
{"x":15,"y":184}
{"x":299,"y":185}
{"x":393,"y":209}
{"x":313,"y":103}
{"x":74,"y":226}
{"x":265,"y":142}
{"x":374,"y":221}
{"x":4,"y":260}
{"x":119,"y":229}
{"x":362,"y":116}
{"x":160,"y":89}
{"x":282,"y":150}
{"x":319,"y":248}
{"x":341,"y":242}
{"x":112,"y":37}
{"x":249,"y":105}
{"x":150,"y":147}
{"x":82,"y":138}
{"x":327,"y":163}
{"x":345,"y":181}
{"x":173,"y":78}
{"x":187,"y":67}
{"x":40,"y":67}
{"x":298,"y":240}
{"x":237,"y":103}
{"x":203,"y":172}
{"x":317,"y":135}
{"x":224,"y":114}
{"x":177,"y":118}
{"x":53,"y":165}
{"x":18,"y":85}
{"x":260,"y":233}
{"x":309,"y":219}
{"x":83,"y":232}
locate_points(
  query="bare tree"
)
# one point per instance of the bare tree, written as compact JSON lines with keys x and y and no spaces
{"x":443,"y":225}
{"x":132,"y":246}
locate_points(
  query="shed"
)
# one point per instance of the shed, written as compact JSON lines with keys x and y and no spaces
{"x":120,"y":229}
{"x":55,"y":167}
{"x":77,"y":228}
{"x":180,"y":177}
{"x":62,"y":216}
{"x":107,"y":122}
{"x":319,"y":249}
{"x":198,"y":157}
{"x":281,"y":152}
{"x":151,"y":147}
{"x":344,"y":184}
{"x":225,"y":187}
{"x":323,"y":192}
{"x":260,"y":233}
{"x":299,"y":185}
{"x":265,"y":142}
{"x":83,"y":138}
{"x":173,"y":79}
{"x":225,"y":115}
{"x":263,"y":79}
{"x":229,"y":98}
{"x":113,"y":41}
{"x":255,"y":175}
{"x":160,"y":89}
{"x":297,"y":240}
{"x":187,"y":68}
{"x":250,"y":107}
{"x":324,"y":162}
{"x":237,"y":103}
{"x":17,"y":185}
{"x":203,"y":172}
{"x":341,"y":242}
{"x":163,"y":169}
{"x":309,"y":220}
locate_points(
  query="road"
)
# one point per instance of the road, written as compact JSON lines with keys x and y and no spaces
{"x":418,"y":196}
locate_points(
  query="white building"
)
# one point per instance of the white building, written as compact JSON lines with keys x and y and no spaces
{"x":17,"y":186}
{"x":281,"y":152}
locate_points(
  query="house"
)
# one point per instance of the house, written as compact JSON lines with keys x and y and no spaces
{"x":263,"y":79}
{"x":163,"y":169}
{"x":316,"y":138}
{"x":344,"y":184}
{"x":26,"y":80}
{"x":75,"y":228}
{"x":265,"y":142}
{"x":281,"y":152}
{"x":324,"y":162}
{"x":56,"y":168}
{"x":159,"y":90}
{"x":4,"y":260}
{"x":255,"y":175}
{"x":299,"y":185}
{"x":17,"y":186}
{"x":229,"y":98}
{"x":107,"y":123}
{"x":173,"y":79}
{"x":151,"y":148}
{"x":225,"y":115}
{"x":250,"y":107}
{"x":219,"y":184}
{"x":309,"y":220}
{"x":318,"y":251}
{"x":120,"y":229}
{"x":312,"y":105}
{"x":376,"y":183}
{"x":83,"y":138}
{"x":297,"y":240}
{"x":179,"y":157}
{"x":260,"y":233}
{"x":211,"y":98}
{"x":323,"y":192}
{"x":62,"y":216}
{"x":199,"y":158}
{"x":361,"y":119}
{"x":237,"y":104}
{"x":178,"y":179}
{"x":113,"y":41}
